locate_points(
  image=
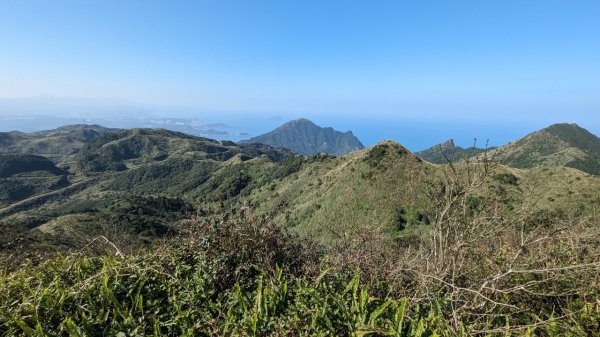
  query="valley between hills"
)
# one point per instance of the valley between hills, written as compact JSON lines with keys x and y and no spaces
{"x":455,"y":239}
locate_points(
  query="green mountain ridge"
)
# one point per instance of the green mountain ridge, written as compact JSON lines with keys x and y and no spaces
{"x":307,"y":138}
{"x":559,"y":145}
{"x":59,"y":145}
{"x":123,"y":177}
{"x":115,"y":151}
{"x":564,"y":144}
{"x":118,"y":176}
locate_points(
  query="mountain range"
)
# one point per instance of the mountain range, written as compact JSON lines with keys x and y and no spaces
{"x":147,"y":182}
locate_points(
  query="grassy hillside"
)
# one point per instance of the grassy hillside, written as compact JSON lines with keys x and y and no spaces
{"x":327,"y":198}
{"x":558,"y":145}
{"x":388,"y":188}
{"x":117,"y":151}
{"x":22,"y":176}
{"x":11,"y":165}
{"x":129,"y":167}
{"x":59,"y":145}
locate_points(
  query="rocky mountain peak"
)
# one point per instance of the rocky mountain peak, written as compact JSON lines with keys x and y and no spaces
{"x":305,"y":137}
{"x":448,"y":144}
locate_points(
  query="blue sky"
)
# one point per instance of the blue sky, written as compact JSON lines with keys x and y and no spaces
{"x":460,"y":67}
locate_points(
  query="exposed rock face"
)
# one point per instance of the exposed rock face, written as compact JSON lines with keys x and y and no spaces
{"x":448,"y":151}
{"x":448,"y":144}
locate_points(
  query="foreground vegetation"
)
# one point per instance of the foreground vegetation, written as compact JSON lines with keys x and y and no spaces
{"x":475,"y":272}
{"x":179,"y":293}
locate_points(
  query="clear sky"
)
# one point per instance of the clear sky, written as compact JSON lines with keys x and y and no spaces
{"x":347,"y":63}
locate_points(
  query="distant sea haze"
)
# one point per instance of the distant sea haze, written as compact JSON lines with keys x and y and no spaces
{"x":415,"y":135}
{"x":42,"y":113}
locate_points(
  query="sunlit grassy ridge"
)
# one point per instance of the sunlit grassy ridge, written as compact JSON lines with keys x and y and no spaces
{"x":387,"y":187}
{"x":566,"y":145}
{"x":328,"y":197}
{"x":60,"y":145}
{"x":322,"y":196}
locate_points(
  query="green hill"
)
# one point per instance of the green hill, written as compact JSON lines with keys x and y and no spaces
{"x":8,"y":139}
{"x":117,"y":151}
{"x":566,"y":145}
{"x":115,"y":174}
{"x":23,"y":175}
{"x":59,"y":145}
{"x":11,"y":164}
{"x":330,"y":197}
{"x":392,"y":190}
{"x":307,"y":138}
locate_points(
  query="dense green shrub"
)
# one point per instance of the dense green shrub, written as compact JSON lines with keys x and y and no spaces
{"x":506,"y":178}
{"x":288,"y":166}
{"x":376,"y":155}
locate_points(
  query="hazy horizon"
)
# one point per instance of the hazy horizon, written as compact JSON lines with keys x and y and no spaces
{"x":42,"y":113}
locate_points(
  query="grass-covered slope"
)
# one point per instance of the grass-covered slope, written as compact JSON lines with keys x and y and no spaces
{"x":11,"y":165}
{"x":117,"y":151}
{"x":259,"y":285}
{"x":329,"y":197}
{"x":59,"y":145}
{"x":388,"y":188}
{"x":558,"y":145}
{"x":22,"y":176}
{"x":158,"y":174}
